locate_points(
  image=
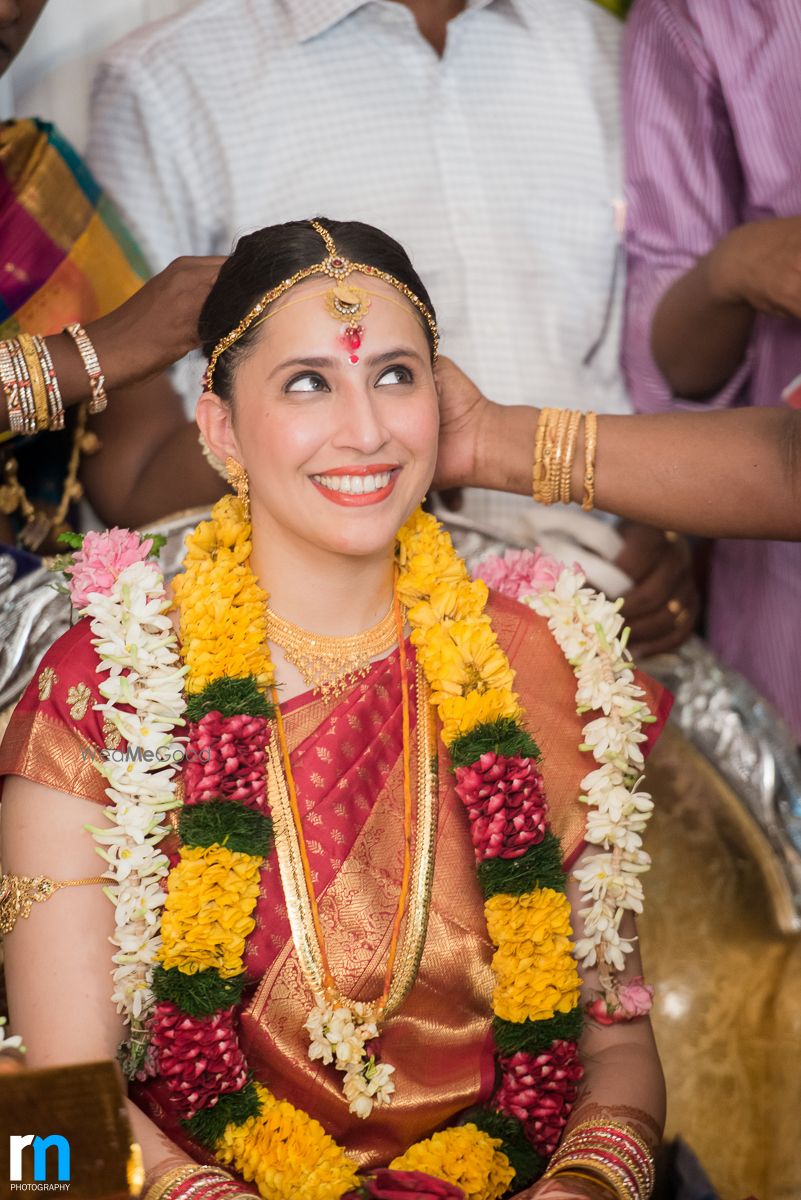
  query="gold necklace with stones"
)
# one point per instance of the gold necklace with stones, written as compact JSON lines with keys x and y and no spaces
{"x":329,"y":664}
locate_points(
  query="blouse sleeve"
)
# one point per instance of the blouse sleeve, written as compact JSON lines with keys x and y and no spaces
{"x":56,"y":736}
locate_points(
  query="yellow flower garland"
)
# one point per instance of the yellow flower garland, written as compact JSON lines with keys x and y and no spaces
{"x":287,"y":1154}
{"x":535,"y":972}
{"x":213,"y":891}
{"x":463,"y":1155}
{"x":207,"y":914}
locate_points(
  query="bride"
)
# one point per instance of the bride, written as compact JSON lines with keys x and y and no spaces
{"x":380,"y":881}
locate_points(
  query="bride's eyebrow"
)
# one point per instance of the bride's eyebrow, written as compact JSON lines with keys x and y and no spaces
{"x":375,"y":360}
{"x":325,"y":363}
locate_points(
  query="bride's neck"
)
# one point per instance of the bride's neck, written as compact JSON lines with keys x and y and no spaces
{"x":324,"y":592}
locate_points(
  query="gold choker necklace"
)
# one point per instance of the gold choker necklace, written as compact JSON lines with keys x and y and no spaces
{"x":330,"y":665}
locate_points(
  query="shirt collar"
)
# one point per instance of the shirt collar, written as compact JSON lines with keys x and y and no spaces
{"x":309,"y":18}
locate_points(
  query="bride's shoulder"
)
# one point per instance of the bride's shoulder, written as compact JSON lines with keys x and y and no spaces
{"x":64,"y":686}
{"x":519,"y":628}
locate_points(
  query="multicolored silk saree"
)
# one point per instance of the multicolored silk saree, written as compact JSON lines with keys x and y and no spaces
{"x":64,"y":256}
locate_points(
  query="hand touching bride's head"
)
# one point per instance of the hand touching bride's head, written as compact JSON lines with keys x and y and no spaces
{"x":327,"y":398}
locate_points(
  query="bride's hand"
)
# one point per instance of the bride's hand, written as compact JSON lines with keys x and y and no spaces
{"x":463,"y":414}
{"x":564,"y":1189}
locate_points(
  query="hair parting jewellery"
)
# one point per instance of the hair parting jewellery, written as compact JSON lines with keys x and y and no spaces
{"x":345,"y":302}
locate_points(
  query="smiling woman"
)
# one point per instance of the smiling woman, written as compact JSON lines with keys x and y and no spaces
{"x":365,"y":958}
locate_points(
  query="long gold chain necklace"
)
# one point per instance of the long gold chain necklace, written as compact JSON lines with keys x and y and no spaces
{"x":363,"y":1018}
{"x":329,"y":664}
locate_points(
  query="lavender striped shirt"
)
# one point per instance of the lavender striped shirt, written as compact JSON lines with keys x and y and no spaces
{"x":713,"y":140}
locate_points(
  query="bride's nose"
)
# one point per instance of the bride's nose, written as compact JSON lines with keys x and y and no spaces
{"x":360,"y":425}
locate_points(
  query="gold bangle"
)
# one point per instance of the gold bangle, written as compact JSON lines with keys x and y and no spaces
{"x":604,"y":1171}
{"x":163,"y":1186}
{"x":543,"y":456}
{"x":18,"y":894}
{"x":575,"y":1173}
{"x":36,"y":376}
{"x":98,"y":398}
{"x":617,"y":1132}
{"x":590,"y":444}
{"x":17,"y":386}
{"x":636,"y":1169}
{"x":537,"y":469}
{"x":54,"y":401}
{"x":159,"y":1189}
{"x":555,"y":481}
{"x":570,"y":454}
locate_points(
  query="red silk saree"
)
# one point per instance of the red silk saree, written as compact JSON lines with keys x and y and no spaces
{"x":346,"y":758}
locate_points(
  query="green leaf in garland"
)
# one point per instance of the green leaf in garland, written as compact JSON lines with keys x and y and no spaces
{"x":199,"y":995}
{"x":159,"y":542}
{"x":539,"y":867}
{"x":68,"y":538}
{"x":503,"y":737}
{"x":229,"y":697}
{"x":233,"y":1108}
{"x":526,"y":1163}
{"x":226,"y":823}
{"x":536,"y":1036}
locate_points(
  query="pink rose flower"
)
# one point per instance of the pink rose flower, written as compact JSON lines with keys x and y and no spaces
{"x":519,"y":573}
{"x":101,"y":558}
{"x":634,"y":999}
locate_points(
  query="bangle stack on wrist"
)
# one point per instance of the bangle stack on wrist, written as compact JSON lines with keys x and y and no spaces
{"x":30,"y":384}
{"x":97,"y":381}
{"x":554,"y":454}
{"x":197,"y":1183}
{"x":611,"y":1154}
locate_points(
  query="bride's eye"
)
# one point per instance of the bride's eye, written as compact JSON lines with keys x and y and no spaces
{"x":310,"y":381}
{"x":396,"y":374}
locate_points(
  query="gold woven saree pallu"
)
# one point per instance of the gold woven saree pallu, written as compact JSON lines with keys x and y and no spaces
{"x":290,"y":864}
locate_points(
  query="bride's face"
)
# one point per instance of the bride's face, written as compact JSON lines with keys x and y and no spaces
{"x":338,"y":453}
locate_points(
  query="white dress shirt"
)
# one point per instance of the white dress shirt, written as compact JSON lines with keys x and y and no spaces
{"x":497,"y":165}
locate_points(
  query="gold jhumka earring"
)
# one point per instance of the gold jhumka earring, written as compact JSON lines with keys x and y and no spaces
{"x":238,"y":479}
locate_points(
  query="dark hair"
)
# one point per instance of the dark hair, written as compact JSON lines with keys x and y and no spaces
{"x":262,"y":259}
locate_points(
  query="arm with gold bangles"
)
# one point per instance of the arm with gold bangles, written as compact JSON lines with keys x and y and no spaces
{"x":155,"y":327}
{"x":710,"y":474}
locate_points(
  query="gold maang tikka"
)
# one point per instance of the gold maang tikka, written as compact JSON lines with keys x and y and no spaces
{"x":337,"y":268}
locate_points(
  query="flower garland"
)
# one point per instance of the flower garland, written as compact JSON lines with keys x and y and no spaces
{"x":212,"y":890}
{"x":590,"y":631}
{"x":112,"y":582}
{"x":226,"y":834}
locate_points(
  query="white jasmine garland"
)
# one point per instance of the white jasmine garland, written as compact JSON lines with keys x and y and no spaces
{"x":591,"y":634}
{"x":340,"y":1034}
{"x":138,"y":652}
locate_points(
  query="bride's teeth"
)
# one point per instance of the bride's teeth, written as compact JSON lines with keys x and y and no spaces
{"x":355,"y":485}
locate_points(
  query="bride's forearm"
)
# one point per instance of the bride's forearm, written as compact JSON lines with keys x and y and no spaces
{"x":159,"y":1154}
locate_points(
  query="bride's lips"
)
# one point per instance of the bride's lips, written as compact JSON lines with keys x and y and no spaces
{"x":347,"y":485}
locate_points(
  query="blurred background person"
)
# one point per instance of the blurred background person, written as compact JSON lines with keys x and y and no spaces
{"x":68,"y":261}
{"x":713,"y":142}
{"x":484,"y":135}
